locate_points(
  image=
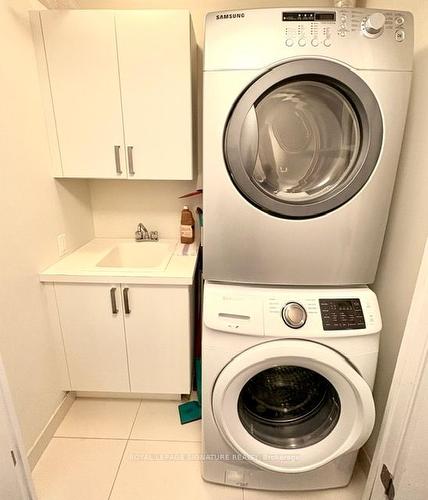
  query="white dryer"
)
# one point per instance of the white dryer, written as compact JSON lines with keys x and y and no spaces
{"x":287,"y":377}
{"x":304,"y":113}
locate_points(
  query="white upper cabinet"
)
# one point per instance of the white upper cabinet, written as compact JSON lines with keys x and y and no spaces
{"x":117,"y":92}
{"x":155,"y":74}
{"x":81,"y":57}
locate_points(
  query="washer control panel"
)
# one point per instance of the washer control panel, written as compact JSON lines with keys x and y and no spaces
{"x":341,"y":314}
{"x":291,"y":311}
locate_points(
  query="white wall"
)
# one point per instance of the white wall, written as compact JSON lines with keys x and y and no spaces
{"x":34,"y":209}
{"x":408,"y":222}
{"x":119,"y":205}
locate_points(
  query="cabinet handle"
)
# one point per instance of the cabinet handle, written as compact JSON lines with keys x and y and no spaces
{"x":130,"y":161}
{"x":126,"y":300}
{"x":117,"y":159}
{"x":114,"y":308}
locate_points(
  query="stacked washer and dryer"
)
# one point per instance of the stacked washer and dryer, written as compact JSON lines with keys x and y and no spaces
{"x":304,"y":112}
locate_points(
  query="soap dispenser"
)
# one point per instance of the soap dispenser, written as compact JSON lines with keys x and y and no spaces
{"x":187,"y":227}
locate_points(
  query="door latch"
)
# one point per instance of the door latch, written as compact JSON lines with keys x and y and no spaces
{"x":388,"y":482}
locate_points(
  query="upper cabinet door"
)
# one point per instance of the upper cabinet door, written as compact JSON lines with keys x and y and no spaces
{"x":81,"y":57}
{"x":154,"y":50}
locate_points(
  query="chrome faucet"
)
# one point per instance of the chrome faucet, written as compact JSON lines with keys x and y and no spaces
{"x":142,"y":234}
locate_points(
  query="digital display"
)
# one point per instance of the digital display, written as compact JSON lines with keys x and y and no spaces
{"x":309,"y":16}
{"x":344,"y":305}
{"x":325,"y":16}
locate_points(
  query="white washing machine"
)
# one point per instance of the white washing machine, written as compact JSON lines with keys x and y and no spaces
{"x":287,"y":378}
{"x":304,"y":112}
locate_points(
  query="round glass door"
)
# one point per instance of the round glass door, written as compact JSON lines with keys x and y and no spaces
{"x":292,"y":405}
{"x":298,"y":143}
{"x":289,"y":407}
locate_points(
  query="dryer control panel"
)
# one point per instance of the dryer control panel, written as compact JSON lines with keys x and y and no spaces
{"x":302,"y":27}
{"x":377,"y":39}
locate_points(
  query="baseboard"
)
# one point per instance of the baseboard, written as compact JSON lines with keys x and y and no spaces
{"x":127,"y":395}
{"x":48,"y":432}
{"x":364,"y":461}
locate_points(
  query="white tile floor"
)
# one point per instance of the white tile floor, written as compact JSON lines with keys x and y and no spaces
{"x":99,"y":453}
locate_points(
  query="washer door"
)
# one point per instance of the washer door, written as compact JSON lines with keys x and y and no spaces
{"x":292,"y":405}
{"x":303,"y":139}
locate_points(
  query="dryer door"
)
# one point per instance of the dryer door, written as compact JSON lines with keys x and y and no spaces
{"x":303,"y":138}
{"x":292,"y":405}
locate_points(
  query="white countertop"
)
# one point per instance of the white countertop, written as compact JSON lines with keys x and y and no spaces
{"x":80,"y":266}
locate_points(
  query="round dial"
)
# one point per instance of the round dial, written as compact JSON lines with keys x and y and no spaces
{"x":374,"y":24}
{"x":294,"y":315}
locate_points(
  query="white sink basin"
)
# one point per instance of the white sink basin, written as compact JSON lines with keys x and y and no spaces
{"x":150,"y":255}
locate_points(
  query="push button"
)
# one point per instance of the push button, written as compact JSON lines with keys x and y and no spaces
{"x":400,"y":35}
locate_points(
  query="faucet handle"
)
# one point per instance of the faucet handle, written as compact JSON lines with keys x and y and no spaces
{"x":154,"y":235}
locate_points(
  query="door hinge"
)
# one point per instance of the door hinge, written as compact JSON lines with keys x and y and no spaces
{"x":13,"y":458}
{"x":388,"y":482}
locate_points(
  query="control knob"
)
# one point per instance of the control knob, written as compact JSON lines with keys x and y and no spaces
{"x":294,"y":315}
{"x":374,"y":24}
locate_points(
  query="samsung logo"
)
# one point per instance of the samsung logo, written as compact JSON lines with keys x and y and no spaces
{"x":230,"y":16}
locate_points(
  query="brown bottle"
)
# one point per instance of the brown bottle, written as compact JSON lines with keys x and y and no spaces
{"x":187,"y":228}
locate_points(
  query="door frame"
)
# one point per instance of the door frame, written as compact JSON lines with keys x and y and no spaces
{"x":22,"y":467}
{"x":408,"y":373}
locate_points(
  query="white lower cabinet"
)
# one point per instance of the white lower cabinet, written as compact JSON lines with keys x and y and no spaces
{"x":158,"y":338}
{"x":94,"y":336}
{"x":127,"y":338}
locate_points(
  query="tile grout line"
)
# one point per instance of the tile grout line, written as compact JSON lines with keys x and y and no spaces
{"x":91,"y":438}
{"x":124,"y":449}
{"x":135,"y":419}
{"x":165,"y":440}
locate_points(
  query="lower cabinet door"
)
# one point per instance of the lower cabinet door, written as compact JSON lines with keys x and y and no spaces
{"x":158,"y":333}
{"x":94,"y":339}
